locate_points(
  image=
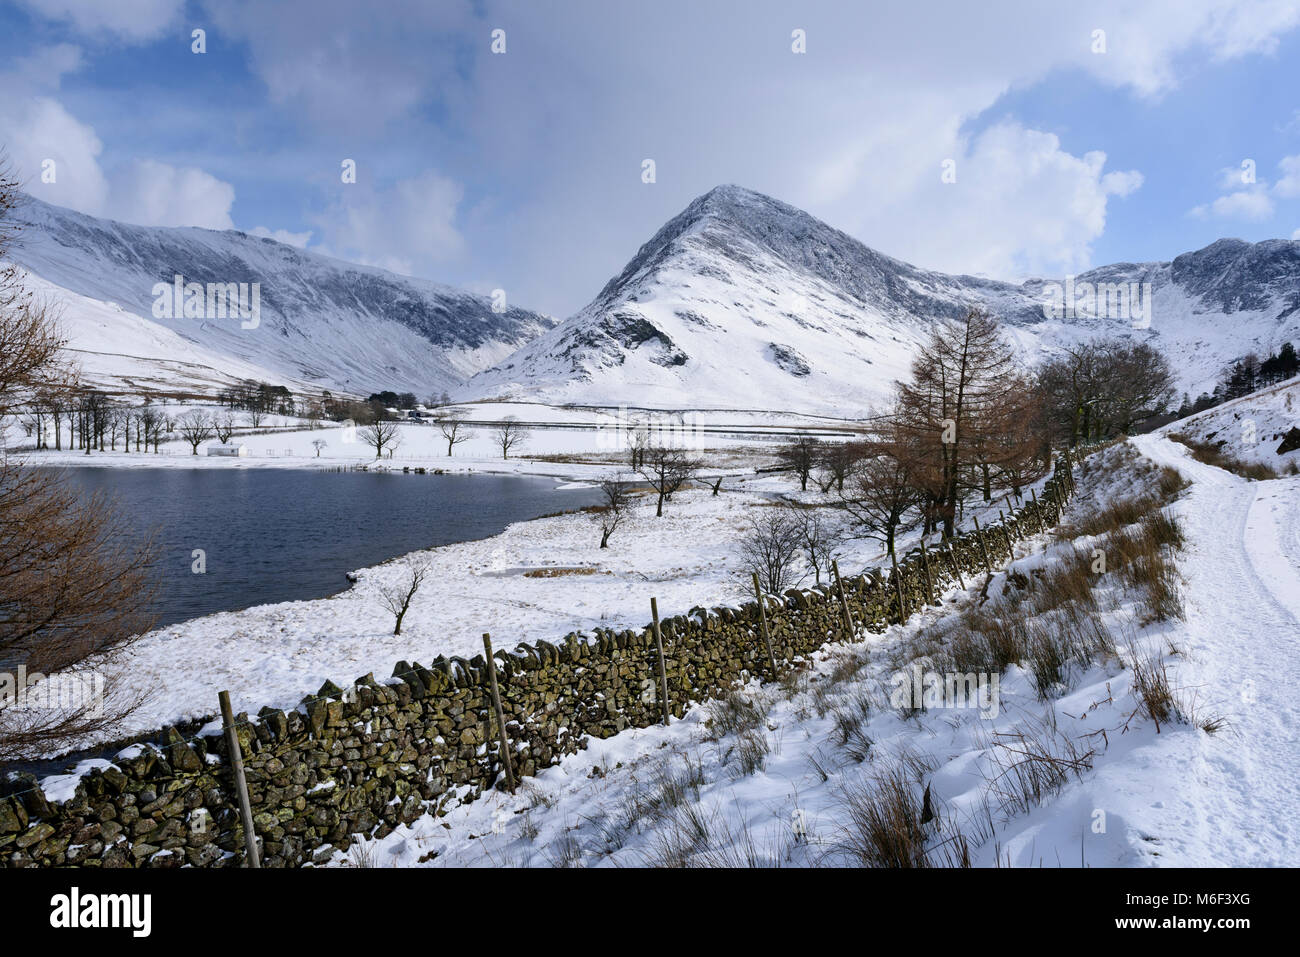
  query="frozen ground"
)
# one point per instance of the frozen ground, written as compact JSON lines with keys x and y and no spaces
{"x":275,"y":654}
{"x":558,"y":441}
{"x":1143,"y":795}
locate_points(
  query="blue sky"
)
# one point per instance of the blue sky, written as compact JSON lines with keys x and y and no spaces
{"x":522,"y":170}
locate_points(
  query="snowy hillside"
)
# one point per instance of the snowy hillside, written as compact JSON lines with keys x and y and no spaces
{"x":1250,"y":428}
{"x":118,"y":350}
{"x":744,"y":301}
{"x":342,"y":326}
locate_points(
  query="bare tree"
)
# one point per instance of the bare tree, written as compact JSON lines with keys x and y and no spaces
{"x":509,"y":434}
{"x":667,"y":470}
{"x":616,"y":505}
{"x":195,"y":428}
{"x":835,"y":461}
{"x":819,"y":538}
{"x":451,"y":423}
{"x":882,"y":494}
{"x":223,"y":426}
{"x":397,"y":597}
{"x":69,"y":585}
{"x":771,"y":549}
{"x":800,"y":457}
{"x":381,"y":434}
{"x":638,"y":442}
{"x":318,"y":444}
{"x":1100,"y":388}
{"x":152,"y":426}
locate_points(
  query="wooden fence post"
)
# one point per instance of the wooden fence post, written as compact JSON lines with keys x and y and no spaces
{"x":1006,"y":536}
{"x":956,"y":566}
{"x":898,"y":590}
{"x":988,"y":565}
{"x":1037,"y":514}
{"x":659,"y":647}
{"x":501,"y":714}
{"x":925,"y":566}
{"x":762,"y":621}
{"x":844,"y":602}
{"x":251,"y":858}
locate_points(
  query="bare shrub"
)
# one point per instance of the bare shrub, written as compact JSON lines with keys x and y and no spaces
{"x":614,"y":507}
{"x":398,"y":596}
{"x":1033,"y":763}
{"x":884,"y":822}
{"x":1155,"y":696}
{"x":771,"y":549}
{"x":734,"y":713}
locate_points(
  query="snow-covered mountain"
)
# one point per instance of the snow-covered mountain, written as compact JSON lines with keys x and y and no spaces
{"x":334,"y":324}
{"x":739,"y":302}
{"x":742,"y":301}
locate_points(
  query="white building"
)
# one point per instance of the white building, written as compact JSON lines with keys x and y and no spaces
{"x":240,"y":451}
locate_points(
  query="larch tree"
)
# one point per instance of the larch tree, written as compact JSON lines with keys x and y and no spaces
{"x":70,"y":586}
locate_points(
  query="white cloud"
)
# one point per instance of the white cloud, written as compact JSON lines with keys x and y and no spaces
{"x":132,"y":20}
{"x":1021,"y":206}
{"x":1253,"y":205}
{"x":1288,"y":186}
{"x":345,"y":67}
{"x":282,"y":236}
{"x":1296,"y":234}
{"x":408,"y":228}
{"x":151,"y":193}
{"x":36,"y":129}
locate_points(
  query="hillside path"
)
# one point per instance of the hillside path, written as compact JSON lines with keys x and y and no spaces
{"x":1239,"y":798}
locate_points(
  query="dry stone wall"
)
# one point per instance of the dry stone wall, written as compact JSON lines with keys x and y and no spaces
{"x":361,"y":760}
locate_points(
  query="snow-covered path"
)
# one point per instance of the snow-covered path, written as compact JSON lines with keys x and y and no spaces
{"x":1236,"y":793}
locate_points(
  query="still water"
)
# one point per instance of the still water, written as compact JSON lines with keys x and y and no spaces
{"x":271,"y":535}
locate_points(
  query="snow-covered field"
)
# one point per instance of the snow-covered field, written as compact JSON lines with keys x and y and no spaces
{"x":557,"y":440}
{"x":784,"y":775}
{"x":275,"y":654}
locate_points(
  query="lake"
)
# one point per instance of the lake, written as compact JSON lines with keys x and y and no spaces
{"x":272,"y":535}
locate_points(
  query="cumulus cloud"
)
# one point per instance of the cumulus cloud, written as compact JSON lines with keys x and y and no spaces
{"x":1248,"y":198}
{"x":407,"y":228}
{"x":854,"y":130}
{"x":59,"y":158}
{"x":38,"y":132}
{"x":1252,"y":205}
{"x":151,"y":193}
{"x":1020,"y":206}
{"x":132,"y":20}
{"x":1288,"y":186}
